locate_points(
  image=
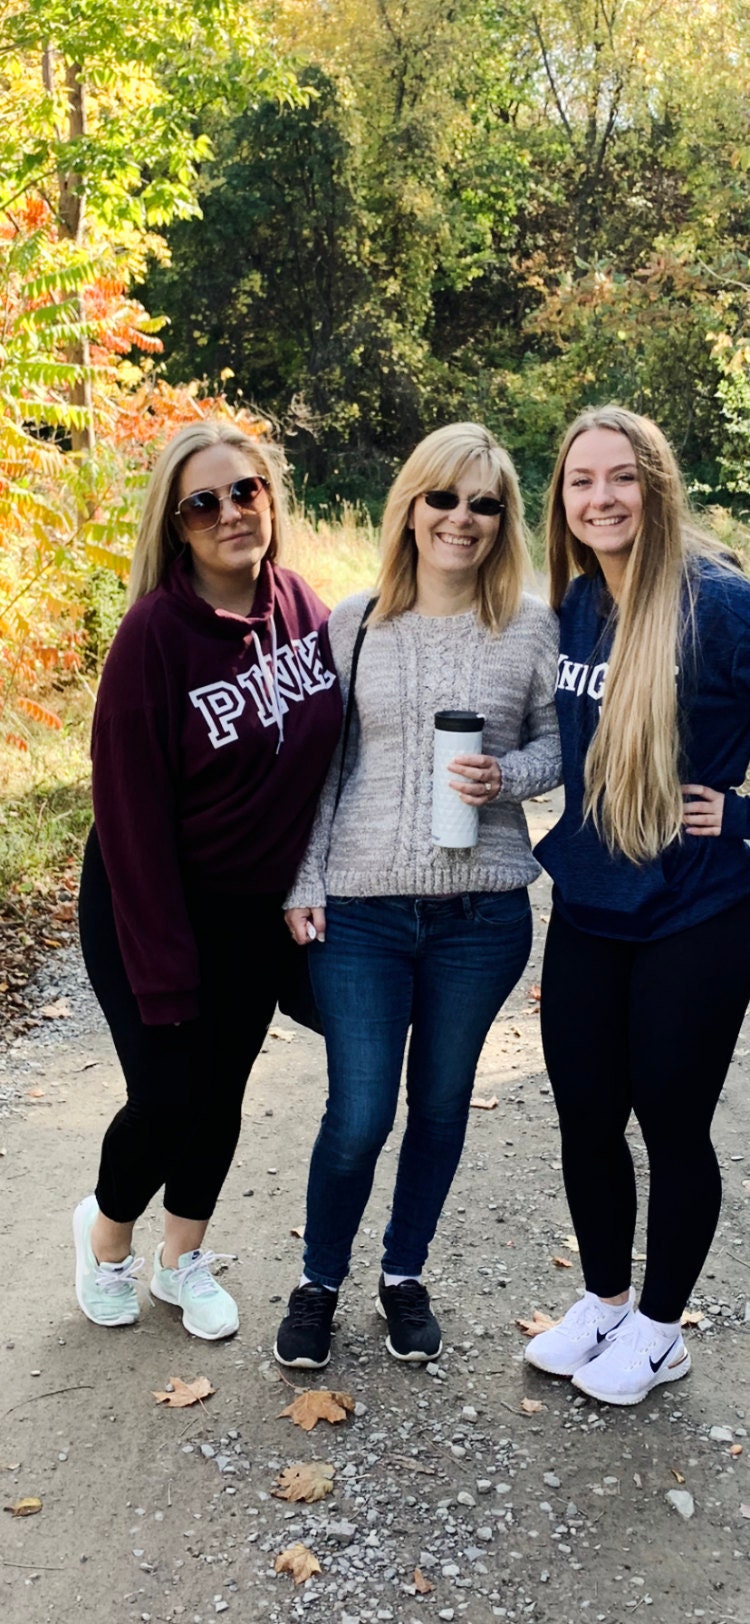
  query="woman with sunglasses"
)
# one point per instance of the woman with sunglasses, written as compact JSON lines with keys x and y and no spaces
{"x":217,"y":714}
{"x":405,"y":932}
{"x":646,"y":971}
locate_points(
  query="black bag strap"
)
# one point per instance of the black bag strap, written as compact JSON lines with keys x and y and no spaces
{"x":358,"y":641}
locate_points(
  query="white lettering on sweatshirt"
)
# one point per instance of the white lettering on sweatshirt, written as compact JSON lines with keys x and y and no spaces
{"x":299,"y":672}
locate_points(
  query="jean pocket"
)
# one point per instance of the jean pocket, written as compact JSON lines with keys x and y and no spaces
{"x":501,"y":908}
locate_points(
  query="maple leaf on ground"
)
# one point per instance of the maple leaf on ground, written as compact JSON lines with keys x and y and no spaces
{"x":308,"y":1481}
{"x":298,"y":1561}
{"x":318,"y":1404}
{"x":481,"y":1104}
{"x":692,"y":1316}
{"x":28,"y":1507}
{"x":531,"y":1406}
{"x":184,"y":1393}
{"x":539,"y":1322}
{"x":421,"y":1584}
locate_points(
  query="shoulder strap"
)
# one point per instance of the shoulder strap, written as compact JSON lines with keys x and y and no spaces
{"x":358,"y":641}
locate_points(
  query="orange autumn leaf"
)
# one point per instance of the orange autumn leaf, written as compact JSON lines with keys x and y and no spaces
{"x":38,"y":712}
{"x":536,"y":1324}
{"x":185,"y":1393}
{"x":562,"y":1262}
{"x":421,"y":1584}
{"x":306,"y":1480}
{"x":535,"y":992}
{"x":318,"y":1404}
{"x":299,"y":1561}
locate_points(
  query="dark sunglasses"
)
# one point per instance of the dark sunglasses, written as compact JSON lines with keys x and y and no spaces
{"x":488,"y":507}
{"x":202,"y":509}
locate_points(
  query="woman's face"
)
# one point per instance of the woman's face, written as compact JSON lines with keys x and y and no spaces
{"x":235,"y":547}
{"x":601,"y":493}
{"x":455,"y":541}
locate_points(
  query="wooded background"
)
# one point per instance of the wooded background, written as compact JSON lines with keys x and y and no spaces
{"x":359,"y":218}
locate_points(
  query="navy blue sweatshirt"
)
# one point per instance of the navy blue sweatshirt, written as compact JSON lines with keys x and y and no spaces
{"x":696,"y":876}
{"x":212,"y":736}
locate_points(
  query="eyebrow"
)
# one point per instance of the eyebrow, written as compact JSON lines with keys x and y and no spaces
{"x":618,"y":467}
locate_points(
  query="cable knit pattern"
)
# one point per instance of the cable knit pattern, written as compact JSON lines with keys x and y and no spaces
{"x":380,"y":841}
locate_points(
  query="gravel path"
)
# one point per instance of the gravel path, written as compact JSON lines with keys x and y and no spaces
{"x":449,"y":1502}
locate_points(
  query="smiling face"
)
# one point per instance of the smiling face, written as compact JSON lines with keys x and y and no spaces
{"x":453,"y":544}
{"x":227,"y":559}
{"x":602,"y":497}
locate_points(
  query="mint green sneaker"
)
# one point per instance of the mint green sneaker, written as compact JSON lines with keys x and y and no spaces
{"x":207,"y":1309}
{"x":105,"y":1291}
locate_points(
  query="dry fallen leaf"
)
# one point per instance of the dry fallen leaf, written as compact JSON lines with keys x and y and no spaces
{"x":571,"y":1243}
{"x":9,"y":1465}
{"x":539,"y":1322}
{"x":318,"y":1404}
{"x":531,"y":1406}
{"x":299,"y":1232}
{"x":481,"y":1104}
{"x":309,"y":1481}
{"x":421,"y":1584}
{"x":184,"y":1393}
{"x":736,"y":1450}
{"x":562,"y":1262}
{"x":278,"y":1032}
{"x":692,"y":1316}
{"x":534,"y":992}
{"x":59,"y":1011}
{"x":35,"y":1094}
{"x":25,"y":1508}
{"x":298,"y":1561}
{"x":639,"y":1257}
{"x":677,"y":1475}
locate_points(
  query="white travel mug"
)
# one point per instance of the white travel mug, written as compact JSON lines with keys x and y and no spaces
{"x":457,"y":733}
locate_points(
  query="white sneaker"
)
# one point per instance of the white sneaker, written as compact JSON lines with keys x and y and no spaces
{"x":105,"y":1291}
{"x":636,"y":1359}
{"x":580,"y":1336}
{"x":207,"y":1309}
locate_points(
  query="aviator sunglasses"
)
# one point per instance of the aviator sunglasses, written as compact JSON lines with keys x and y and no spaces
{"x":487,"y":507}
{"x":202,"y":509}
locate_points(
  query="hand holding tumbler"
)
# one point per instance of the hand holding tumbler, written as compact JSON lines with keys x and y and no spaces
{"x":454,"y":824}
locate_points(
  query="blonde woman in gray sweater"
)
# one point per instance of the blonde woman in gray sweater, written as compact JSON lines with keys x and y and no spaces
{"x":402,"y":932}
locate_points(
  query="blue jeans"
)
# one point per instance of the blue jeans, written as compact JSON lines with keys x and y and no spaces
{"x":445,"y":967}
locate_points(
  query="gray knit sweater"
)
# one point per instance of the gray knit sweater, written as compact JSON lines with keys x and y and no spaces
{"x":380,"y":842}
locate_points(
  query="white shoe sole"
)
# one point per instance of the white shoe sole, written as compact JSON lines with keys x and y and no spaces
{"x":668,"y":1373}
{"x":302,"y":1363}
{"x":80,"y":1214}
{"x":229,"y":1329}
{"x":557,"y":1370}
{"x":415,"y":1358}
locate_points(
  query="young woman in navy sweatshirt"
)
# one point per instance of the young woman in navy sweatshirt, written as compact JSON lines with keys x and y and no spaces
{"x":647,"y":966}
{"x":217,"y":715}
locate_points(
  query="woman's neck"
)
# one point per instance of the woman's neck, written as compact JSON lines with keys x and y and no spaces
{"x":438,"y":595}
{"x":234,"y":597}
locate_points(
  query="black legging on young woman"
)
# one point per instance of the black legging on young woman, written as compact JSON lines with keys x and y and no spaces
{"x":185,"y":1084}
{"x":647,"y":1027}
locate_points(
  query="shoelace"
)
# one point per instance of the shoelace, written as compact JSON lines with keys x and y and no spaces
{"x":413,"y":1302}
{"x":202,"y":1282}
{"x":312,"y":1305}
{"x":107,"y":1281}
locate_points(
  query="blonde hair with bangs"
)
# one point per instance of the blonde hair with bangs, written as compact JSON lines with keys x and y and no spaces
{"x":632,"y":777}
{"x":436,"y":464}
{"x":160,"y":539}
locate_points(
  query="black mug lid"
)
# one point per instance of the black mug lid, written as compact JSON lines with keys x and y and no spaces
{"x":458,"y":721}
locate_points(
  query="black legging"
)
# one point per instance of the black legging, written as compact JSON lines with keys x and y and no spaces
{"x":648,"y":1027}
{"x":180,"y":1125}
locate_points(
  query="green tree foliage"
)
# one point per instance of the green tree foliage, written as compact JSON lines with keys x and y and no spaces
{"x":499,"y":208}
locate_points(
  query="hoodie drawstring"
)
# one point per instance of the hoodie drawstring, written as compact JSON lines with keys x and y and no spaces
{"x":272,"y":681}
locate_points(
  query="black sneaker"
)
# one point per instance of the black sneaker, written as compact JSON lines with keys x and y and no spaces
{"x":413,"y":1331}
{"x":304,"y":1335}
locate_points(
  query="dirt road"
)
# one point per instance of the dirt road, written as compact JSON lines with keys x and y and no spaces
{"x":562,"y":1515}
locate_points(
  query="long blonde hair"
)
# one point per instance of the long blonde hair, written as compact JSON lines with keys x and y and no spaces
{"x":159,"y":539}
{"x":436,"y":464}
{"x":632,"y":777}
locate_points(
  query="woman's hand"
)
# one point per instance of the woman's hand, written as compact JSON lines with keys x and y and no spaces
{"x":306,"y":925}
{"x":481,"y":779}
{"x":704,"y":810}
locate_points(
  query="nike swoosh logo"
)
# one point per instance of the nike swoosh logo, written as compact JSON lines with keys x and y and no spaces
{"x":659,"y":1362}
{"x":601,"y":1336}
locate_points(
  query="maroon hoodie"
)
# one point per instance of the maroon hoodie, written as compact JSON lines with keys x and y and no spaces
{"x":212,"y":736}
